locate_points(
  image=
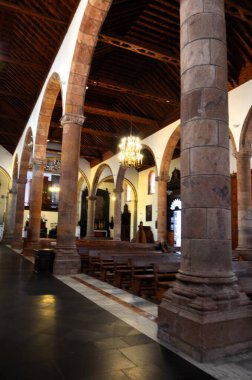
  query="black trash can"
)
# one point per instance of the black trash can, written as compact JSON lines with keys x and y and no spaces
{"x":44,"y":259}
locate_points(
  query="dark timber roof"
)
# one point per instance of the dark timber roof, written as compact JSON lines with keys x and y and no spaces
{"x":135,"y":74}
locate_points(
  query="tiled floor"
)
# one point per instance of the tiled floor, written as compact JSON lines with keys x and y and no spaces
{"x":87,"y":330}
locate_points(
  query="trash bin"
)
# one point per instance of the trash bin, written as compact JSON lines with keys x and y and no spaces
{"x":44,"y":259}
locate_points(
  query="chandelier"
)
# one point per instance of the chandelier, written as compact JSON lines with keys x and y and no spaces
{"x":130,"y":152}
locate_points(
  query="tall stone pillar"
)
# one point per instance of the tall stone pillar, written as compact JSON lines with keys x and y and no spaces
{"x":118,"y":214}
{"x":10,"y":215}
{"x":90,"y":217}
{"x":17,"y":241}
{"x":244,"y":203}
{"x":67,"y":259}
{"x":162,"y":207}
{"x":204,"y":314}
{"x":33,"y":237}
{"x":135,"y":219}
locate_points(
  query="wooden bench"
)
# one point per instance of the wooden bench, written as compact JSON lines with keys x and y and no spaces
{"x":143,"y":272}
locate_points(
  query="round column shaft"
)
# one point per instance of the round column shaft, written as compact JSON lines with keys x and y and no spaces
{"x":90,"y":217}
{"x":118,"y":214}
{"x":67,"y":260}
{"x":19,"y":215}
{"x":162,"y":207}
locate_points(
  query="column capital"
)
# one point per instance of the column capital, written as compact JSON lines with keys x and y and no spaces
{"x":92,"y":198}
{"x":71,"y":118}
{"x":38,"y":162}
{"x":242,"y":154}
{"x":163,"y":178}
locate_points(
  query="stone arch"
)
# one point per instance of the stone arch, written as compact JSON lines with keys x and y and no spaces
{"x":26,"y":155}
{"x":168,"y":153}
{"x":147,"y":147}
{"x":5,"y":174}
{"x":132,"y":187}
{"x":94,"y":16}
{"x":50,"y":95}
{"x":82,"y":179}
{"x":162,"y":183}
{"x":97,"y":177}
{"x":246,"y":133}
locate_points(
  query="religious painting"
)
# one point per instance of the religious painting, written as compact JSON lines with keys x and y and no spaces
{"x":149,"y":213}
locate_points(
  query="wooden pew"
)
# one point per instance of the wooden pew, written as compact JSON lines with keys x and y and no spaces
{"x":143,"y":271}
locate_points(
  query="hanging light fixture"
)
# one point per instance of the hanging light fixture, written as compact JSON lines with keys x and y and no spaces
{"x":130,"y":151}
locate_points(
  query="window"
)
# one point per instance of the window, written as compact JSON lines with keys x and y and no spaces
{"x":151,"y":182}
{"x":128,"y":193}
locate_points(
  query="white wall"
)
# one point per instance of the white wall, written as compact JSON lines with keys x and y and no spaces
{"x":145,"y":199}
{"x":61,"y":65}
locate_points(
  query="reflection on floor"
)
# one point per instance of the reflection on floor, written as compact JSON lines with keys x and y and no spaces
{"x":141,"y":314}
{"x":88,"y":330}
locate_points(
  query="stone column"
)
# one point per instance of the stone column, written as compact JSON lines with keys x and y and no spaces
{"x":18,"y":241}
{"x":118,"y":214}
{"x":90,"y":217}
{"x":162,"y":207}
{"x":135,"y":219}
{"x":204,"y":314}
{"x":10,"y":215}
{"x":67,"y":259}
{"x":33,"y":237}
{"x":244,"y":203}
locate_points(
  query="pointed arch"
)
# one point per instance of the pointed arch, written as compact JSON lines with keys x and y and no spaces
{"x":246,"y":133}
{"x":50,"y":96}
{"x":26,"y":155}
{"x":94,"y":16}
{"x":5,"y":174}
{"x":168,"y":153}
{"x":97,"y":177}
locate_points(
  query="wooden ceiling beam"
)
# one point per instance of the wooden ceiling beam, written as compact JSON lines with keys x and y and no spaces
{"x":23,"y":11}
{"x":119,"y":115}
{"x":89,"y":131}
{"x":151,"y":53}
{"x":130,"y":91}
{"x":17,"y":95}
{"x":14,"y":61}
{"x":238,"y":11}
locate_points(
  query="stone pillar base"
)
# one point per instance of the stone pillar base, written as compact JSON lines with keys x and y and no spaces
{"x":206,"y":336}
{"x":67,"y":261}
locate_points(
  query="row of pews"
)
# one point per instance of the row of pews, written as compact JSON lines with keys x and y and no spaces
{"x":141,"y":269}
{"x":135,"y":267}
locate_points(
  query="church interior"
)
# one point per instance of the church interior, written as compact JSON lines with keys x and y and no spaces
{"x":125,"y":189}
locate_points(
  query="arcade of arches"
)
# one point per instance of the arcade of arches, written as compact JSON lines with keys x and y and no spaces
{"x":211,"y":175}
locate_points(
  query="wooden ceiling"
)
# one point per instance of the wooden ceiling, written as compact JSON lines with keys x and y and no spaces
{"x":135,"y":75}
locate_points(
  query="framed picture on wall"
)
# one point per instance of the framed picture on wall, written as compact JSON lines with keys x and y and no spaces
{"x":149,"y":213}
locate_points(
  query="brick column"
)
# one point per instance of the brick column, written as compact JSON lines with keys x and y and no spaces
{"x":90,"y":217}
{"x":118,"y":214}
{"x":10,"y":215}
{"x":162,"y":207}
{"x":244,"y":202}
{"x":17,"y":241}
{"x":204,"y":314}
{"x":32,"y":241}
{"x":67,"y":259}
